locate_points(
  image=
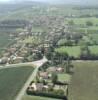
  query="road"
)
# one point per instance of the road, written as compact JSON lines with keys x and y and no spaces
{"x":38,"y":64}
{"x":33,"y":64}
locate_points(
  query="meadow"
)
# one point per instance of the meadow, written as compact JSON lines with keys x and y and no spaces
{"x":12,"y":80}
{"x":27,"y":97}
{"x":83,"y":21}
{"x":75,"y":51}
{"x":5,"y":40}
{"x":84,"y":83}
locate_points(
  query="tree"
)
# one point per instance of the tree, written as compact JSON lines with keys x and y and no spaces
{"x":85,"y":52}
{"x":67,"y":65}
{"x":89,"y":23}
{"x":54,"y":78}
{"x":71,"y":22}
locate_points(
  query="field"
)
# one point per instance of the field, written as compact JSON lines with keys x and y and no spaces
{"x":72,"y":51}
{"x":75,"y":50}
{"x":84,"y":84}
{"x":94,"y":37}
{"x":12,"y":80}
{"x":4,"y":40}
{"x":80,"y":24}
{"x":64,"y":77}
{"x":83,"y":21}
{"x":27,"y":97}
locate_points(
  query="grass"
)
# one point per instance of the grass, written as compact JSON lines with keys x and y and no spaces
{"x":94,"y":49}
{"x":4,"y":41}
{"x":84,"y":20}
{"x":75,"y":50}
{"x":84,"y":84}
{"x":72,"y":51}
{"x":94,"y":37}
{"x":37,"y":29}
{"x":12,"y":80}
{"x":27,"y":97}
{"x":64,"y":77}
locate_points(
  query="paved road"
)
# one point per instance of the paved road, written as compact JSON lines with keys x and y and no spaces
{"x":17,"y":65}
{"x":33,"y":64}
{"x":38,"y":64}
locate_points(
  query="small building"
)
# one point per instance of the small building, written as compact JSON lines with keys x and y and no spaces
{"x":44,"y":75}
{"x":60,"y":69}
{"x":18,"y":59}
{"x":55,"y":69}
{"x":51,"y":69}
{"x":3,"y":60}
{"x":38,"y":87}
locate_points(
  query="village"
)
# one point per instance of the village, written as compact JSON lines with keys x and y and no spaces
{"x":31,"y":45}
{"x":48,"y":51}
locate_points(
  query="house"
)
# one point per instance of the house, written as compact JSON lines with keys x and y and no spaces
{"x":60,"y":69}
{"x":55,"y":69}
{"x":44,"y":75}
{"x":7,"y":54}
{"x":62,"y":87}
{"x":18,"y":59}
{"x":4,"y":60}
{"x":51,"y":69}
{"x":38,"y":87}
{"x":12,"y":50}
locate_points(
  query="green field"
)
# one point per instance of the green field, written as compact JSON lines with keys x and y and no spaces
{"x":81,"y":24}
{"x":64,"y":77}
{"x":94,"y":37}
{"x":27,"y":97}
{"x":4,"y":40}
{"x":75,"y":50}
{"x":84,"y":84}
{"x":72,"y":51}
{"x":84,"y":20}
{"x":12,"y":80}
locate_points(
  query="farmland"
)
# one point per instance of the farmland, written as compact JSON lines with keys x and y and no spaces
{"x":4,"y":40}
{"x":12,"y":81}
{"x":27,"y":97}
{"x":84,"y":84}
{"x":80,"y":24}
{"x":83,"y":21}
{"x":75,"y":50}
{"x":72,"y":51}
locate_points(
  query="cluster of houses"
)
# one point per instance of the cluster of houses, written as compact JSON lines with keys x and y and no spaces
{"x":19,"y":52}
{"x":46,"y":84}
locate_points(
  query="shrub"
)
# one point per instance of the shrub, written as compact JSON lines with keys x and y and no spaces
{"x":45,"y":94}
